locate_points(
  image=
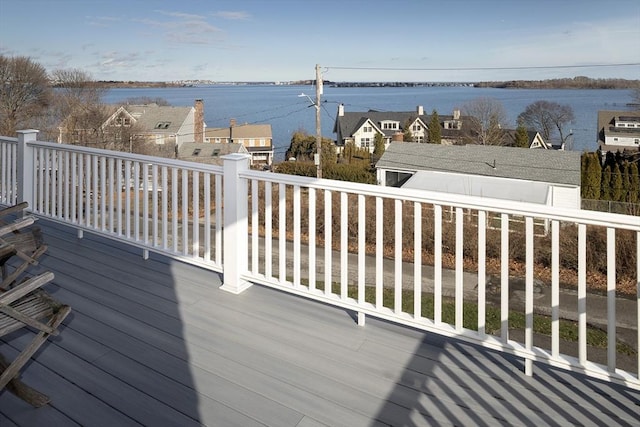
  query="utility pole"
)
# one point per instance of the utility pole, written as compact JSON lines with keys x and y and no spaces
{"x":318,"y":130}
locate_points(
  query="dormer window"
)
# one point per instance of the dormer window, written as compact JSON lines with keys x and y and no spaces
{"x":388,"y":124}
{"x":196,"y":152}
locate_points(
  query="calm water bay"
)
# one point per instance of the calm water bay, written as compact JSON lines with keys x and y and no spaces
{"x":287,"y":112}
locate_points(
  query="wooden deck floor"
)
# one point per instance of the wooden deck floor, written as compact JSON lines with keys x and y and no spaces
{"x":157,"y":343}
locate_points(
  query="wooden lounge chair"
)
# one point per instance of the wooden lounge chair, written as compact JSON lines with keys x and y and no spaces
{"x":26,"y":241}
{"x":27,"y":305}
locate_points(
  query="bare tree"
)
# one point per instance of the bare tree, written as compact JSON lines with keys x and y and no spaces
{"x":548,"y":118}
{"x":77,"y":99}
{"x":25,"y":93}
{"x":487,"y":117}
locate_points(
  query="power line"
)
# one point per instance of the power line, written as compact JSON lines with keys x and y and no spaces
{"x":532,"y":67}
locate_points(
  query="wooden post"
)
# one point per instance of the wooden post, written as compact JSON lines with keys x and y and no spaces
{"x":25,"y":167}
{"x":235,"y":223}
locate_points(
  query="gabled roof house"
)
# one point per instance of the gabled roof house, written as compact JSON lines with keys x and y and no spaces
{"x":256,"y":138}
{"x":548,"y":177}
{"x":162,"y":125}
{"x":619,"y":130}
{"x":361,"y":127}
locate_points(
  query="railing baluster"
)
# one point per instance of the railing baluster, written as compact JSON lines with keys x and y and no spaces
{"x":207,"y":216}
{"x":328,"y":225}
{"x":379,"y":253}
{"x":555,"y":288}
{"x":397,"y":270}
{"x":47,"y":178}
{"x":282,"y":232}
{"x":582,"y":294}
{"x":145,"y":203}
{"x":127,"y":197}
{"x":66,"y":189}
{"x":136,"y":201}
{"x":74,"y":188}
{"x":196,"y":215}
{"x":165,"y":208}
{"x":361,"y":248}
{"x":111,"y":194}
{"x":459,"y":291}
{"x":417,"y":260}
{"x":254,"y":226}
{"x":268,"y":235}
{"x":80,"y":190}
{"x":154,"y":208}
{"x":312,"y":239}
{"x":528,"y":303}
{"x":185,"y":212}
{"x":103,"y":193}
{"x":119,"y":191}
{"x":504,"y":277}
{"x":174,"y":209}
{"x":344,"y":244}
{"x":95,"y":208}
{"x":59,"y":186}
{"x":611,"y":299}
{"x":437,"y":264}
{"x":218,"y":187}
{"x":482,"y":275}
{"x":296,"y":235}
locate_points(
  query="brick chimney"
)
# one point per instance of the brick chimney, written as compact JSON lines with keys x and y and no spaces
{"x":198,"y":121}
{"x":397,"y":137}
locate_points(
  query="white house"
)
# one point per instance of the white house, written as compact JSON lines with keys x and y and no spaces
{"x":619,"y":130}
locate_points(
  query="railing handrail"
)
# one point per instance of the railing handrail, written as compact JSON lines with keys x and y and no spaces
{"x":466,"y":202}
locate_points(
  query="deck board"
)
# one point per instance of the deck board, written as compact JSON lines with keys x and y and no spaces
{"x":155,"y":342}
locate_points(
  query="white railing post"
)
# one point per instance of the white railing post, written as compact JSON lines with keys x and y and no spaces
{"x":25,"y":166}
{"x":235,"y":223}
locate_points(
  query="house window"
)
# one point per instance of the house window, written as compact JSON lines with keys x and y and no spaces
{"x":365,"y":142}
{"x":636,"y":141}
{"x":367,"y":129}
{"x":615,"y":139}
{"x":217,"y":140}
{"x":196,"y":152}
{"x":127,"y":121}
{"x":216,"y":152}
{"x":263,"y":142}
{"x":416,"y":128}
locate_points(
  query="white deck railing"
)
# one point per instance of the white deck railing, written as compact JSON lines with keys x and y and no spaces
{"x":344,"y":243}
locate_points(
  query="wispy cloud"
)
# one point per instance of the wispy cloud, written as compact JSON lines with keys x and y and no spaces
{"x":183,"y":28}
{"x":113,"y":59}
{"x":102,"y":21}
{"x":232,"y":16}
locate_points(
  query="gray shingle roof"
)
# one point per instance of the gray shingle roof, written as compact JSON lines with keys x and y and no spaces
{"x":151,"y":115}
{"x":207,"y":152}
{"x":346,"y":125}
{"x":558,"y":167}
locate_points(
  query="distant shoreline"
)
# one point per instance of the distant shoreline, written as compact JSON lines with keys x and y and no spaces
{"x":568,"y":83}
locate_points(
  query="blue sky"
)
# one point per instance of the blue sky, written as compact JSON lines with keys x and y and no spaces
{"x":282,"y":40}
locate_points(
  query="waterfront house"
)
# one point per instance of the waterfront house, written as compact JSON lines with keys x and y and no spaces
{"x":546,"y":177}
{"x":256,"y":138}
{"x":618,"y":130}
{"x":118,"y":127}
{"x":360,"y":128}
